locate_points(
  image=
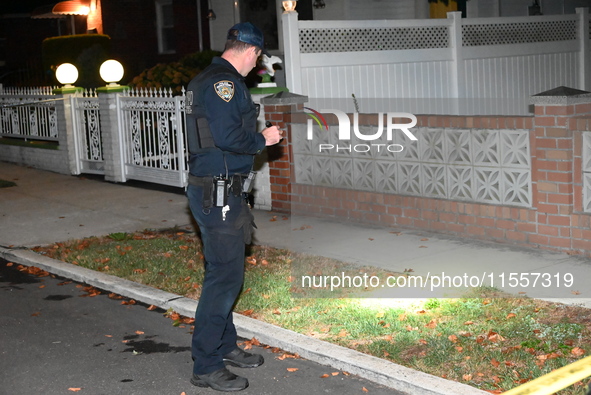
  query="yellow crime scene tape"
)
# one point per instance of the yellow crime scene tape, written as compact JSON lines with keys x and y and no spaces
{"x":556,"y":380}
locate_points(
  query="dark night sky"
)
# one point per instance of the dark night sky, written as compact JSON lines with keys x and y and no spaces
{"x":22,"y":6}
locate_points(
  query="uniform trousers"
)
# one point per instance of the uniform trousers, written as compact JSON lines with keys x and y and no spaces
{"x":224,"y":252}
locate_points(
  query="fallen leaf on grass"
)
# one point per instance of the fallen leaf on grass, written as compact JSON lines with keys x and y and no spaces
{"x":432,"y":324}
{"x":495,"y":337}
{"x":467,"y":377}
{"x":577,"y":351}
{"x":511,"y":315}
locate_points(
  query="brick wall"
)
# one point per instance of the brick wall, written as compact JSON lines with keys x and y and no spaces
{"x":555,"y":221}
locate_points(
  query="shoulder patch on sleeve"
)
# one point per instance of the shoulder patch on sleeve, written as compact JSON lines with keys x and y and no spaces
{"x":224,"y":89}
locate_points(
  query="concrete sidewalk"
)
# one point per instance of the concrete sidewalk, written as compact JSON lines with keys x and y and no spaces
{"x":45,"y":208}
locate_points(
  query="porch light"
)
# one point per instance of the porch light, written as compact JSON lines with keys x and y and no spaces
{"x":66,"y":74}
{"x":210,"y":14}
{"x":290,"y":6}
{"x":111,"y":72}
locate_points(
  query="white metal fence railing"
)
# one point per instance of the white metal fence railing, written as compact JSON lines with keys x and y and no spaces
{"x":28,"y":113}
{"x":87,"y":132}
{"x":153,"y":133}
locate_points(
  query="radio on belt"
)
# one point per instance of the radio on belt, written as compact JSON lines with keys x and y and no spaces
{"x":220,"y":192}
{"x":249,"y":182}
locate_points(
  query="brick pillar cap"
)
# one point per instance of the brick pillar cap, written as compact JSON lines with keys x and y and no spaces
{"x":561,"y":95}
{"x":282,"y":98}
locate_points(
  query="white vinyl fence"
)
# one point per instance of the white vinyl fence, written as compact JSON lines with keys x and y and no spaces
{"x":437,"y":66}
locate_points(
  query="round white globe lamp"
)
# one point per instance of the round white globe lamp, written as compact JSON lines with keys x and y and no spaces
{"x":66,"y":74}
{"x":111,"y":72}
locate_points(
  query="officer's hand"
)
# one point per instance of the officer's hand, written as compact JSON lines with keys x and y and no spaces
{"x":272,"y":135}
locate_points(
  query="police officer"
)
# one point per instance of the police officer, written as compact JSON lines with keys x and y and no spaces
{"x":223,"y":139}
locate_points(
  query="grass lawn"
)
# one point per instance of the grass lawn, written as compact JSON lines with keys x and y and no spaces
{"x":486,"y":339}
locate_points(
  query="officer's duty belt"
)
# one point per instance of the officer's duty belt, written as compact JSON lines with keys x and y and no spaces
{"x":206,"y":181}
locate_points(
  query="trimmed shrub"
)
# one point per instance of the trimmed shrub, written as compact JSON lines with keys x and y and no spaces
{"x":86,"y":51}
{"x":175,"y":75}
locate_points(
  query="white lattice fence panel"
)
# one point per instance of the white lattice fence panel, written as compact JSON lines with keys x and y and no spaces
{"x":485,"y":166}
{"x":343,"y":39}
{"x":518,"y":33}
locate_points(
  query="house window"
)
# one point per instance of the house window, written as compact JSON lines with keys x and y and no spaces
{"x":165,"y":26}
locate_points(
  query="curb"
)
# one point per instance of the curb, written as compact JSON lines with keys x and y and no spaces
{"x":368,"y":367}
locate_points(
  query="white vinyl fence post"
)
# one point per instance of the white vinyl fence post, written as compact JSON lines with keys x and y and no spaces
{"x":585,"y":49}
{"x":291,"y":42}
{"x":457,"y":69}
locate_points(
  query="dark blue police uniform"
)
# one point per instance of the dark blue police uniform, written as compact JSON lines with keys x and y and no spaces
{"x":223,"y":139}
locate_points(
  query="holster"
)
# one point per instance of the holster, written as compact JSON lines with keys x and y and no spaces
{"x":246,"y":221}
{"x":207,"y":184}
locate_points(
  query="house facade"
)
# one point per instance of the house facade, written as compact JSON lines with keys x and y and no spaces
{"x":145,"y":33}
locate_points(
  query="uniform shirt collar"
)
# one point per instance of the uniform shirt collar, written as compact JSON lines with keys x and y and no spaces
{"x":221,"y":61}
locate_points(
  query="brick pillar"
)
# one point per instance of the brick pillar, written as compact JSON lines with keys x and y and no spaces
{"x":111,"y":135}
{"x":279,"y":109}
{"x":555,"y":168}
{"x":66,"y":129}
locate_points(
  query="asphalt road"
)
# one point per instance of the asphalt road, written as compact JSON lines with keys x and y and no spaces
{"x":55,"y":338}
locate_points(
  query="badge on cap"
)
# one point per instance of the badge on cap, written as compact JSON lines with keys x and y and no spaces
{"x":225,"y":90}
